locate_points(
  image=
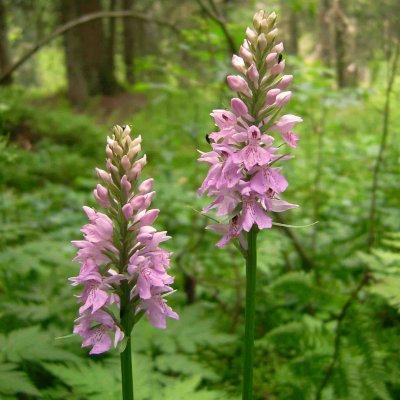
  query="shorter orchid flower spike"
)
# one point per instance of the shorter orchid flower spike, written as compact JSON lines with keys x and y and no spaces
{"x":122,"y":266}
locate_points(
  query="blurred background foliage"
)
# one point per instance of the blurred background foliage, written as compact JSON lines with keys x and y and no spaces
{"x":328,"y":324}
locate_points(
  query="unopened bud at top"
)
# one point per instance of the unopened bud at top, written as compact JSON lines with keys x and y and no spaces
{"x":133,"y":151}
{"x":257,"y":19}
{"x":117,"y":131}
{"x":271,"y":19}
{"x":272,"y":35}
{"x":137,"y":140}
{"x":262,"y":42}
{"x":251,"y":36}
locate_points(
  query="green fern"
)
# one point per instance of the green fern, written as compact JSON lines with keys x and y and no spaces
{"x":14,"y":382}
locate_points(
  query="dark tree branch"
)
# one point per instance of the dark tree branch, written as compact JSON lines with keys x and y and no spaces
{"x":79,"y":21}
{"x":382,"y":147}
{"x":221,"y":22}
{"x":336,"y":350}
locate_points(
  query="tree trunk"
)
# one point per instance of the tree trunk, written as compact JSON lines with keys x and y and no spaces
{"x":90,"y":66}
{"x":324,"y":33}
{"x":78,"y":90}
{"x":111,"y":37}
{"x":5,"y":58}
{"x":290,"y":27}
{"x":99,"y":75}
{"x":292,"y":45}
{"x":129,"y":43}
{"x":340,"y":45}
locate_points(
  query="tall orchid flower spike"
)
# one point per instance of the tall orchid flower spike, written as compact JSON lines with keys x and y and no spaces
{"x":123,"y":268}
{"x":248,"y":149}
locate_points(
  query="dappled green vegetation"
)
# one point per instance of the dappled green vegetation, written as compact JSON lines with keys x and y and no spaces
{"x":327,"y":300}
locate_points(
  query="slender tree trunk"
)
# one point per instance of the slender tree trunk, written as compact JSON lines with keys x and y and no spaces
{"x":129,"y":43}
{"x":324,"y":33}
{"x":290,"y":27}
{"x":5,"y":57}
{"x":292,"y":45}
{"x":111,"y":38}
{"x":340,"y":44}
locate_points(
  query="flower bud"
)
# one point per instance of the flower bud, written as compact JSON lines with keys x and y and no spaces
{"x":149,"y":217}
{"x":238,"y":64}
{"x":101,"y":196}
{"x":264,"y":26}
{"x":246,"y":55}
{"x":125,"y":184}
{"x":272,"y":35}
{"x":251,"y":36}
{"x":127,"y":210}
{"x":270,"y":60}
{"x":109,"y":152}
{"x":133,"y":151}
{"x":117,"y":149}
{"x":278,"y":68}
{"x":146,"y":186}
{"x":137,"y":202}
{"x":271,"y":96}
{"x":238,"y":84}
{"x":285,"y":81}
{"x":111,"y":167}
{"x":137,"y":140}
{"x":271,"y":19}
{"x":239,"y":107}
{"x":257,"y":19}
{"x":278,"y":48}
{"x":282,"y":99}
{"x":142,"y":161}
{"x":148,"y":199}
{"x":126,"y":131}
{"x":262,"y":42}
{"x":126,"y":164}
{"x":103,"y":175}
{"x":117,"y":131}
{"x":253,"y":74}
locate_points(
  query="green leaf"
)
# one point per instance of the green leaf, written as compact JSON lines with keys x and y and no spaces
{"x":14,"y":382}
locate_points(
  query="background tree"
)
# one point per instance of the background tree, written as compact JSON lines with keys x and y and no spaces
{"x":5,"y":57}
{"x":88,"y":52}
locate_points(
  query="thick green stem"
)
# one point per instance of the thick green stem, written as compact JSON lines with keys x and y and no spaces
{"x":126,"y":355}
{"x":126,"y":372}
{"x":248,"y":359}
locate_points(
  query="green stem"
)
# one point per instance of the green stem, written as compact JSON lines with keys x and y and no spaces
{"x":251,"y":269}
{"x":126,"y":372}
{"x":126,"y":355}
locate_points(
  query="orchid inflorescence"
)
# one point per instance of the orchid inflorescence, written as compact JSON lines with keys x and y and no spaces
{"x":123,"y":269}
{"x":244,"y":177}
